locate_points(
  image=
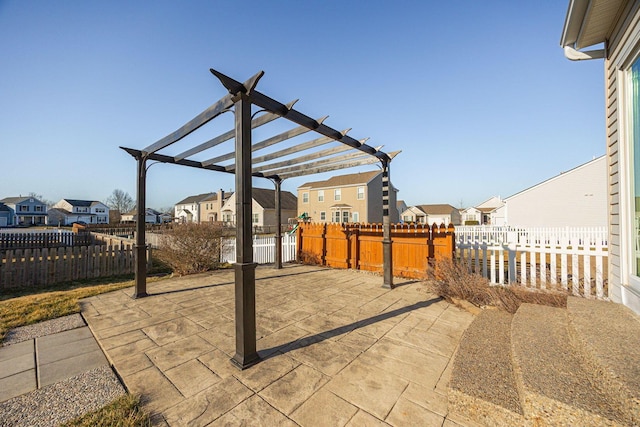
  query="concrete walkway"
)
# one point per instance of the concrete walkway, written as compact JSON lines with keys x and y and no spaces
{"x":39,"y":362}
{"x":337,"y":350}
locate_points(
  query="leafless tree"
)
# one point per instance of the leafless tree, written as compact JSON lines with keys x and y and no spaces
{"x":121,"y":201}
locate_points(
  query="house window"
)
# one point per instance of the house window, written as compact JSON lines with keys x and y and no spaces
{"x":355,"y":217}
{"x":336,"y":216}
{"x":24,"y":208}
{"x":635,"y":167}
{"x":255,"y":218}
{"x":321,"y":195}
{"x":323,"y":216}
{"x":345,"y":216}
{"x":38,"y":208}
{"x":305,"y":197}
{"x":360,"y":193}
{"x":337,"y":195}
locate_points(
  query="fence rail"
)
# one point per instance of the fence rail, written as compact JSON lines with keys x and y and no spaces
{"x":36,"y":267}
{"x":532,"y":235}
{"x":574,"y":259}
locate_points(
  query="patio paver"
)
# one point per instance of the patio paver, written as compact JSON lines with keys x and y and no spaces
{"x":337,"y":349}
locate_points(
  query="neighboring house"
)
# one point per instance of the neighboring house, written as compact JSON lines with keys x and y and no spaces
{"x":576,"y":198}
{"x":6,"y":215}
{"x":26,"y":210}
{"x":484,"y":213}
{"x":211,"y":206}
{"x":432,"y":214}
{"x":68,"y":211}
{"x":346,"y":198}
{"x":188,"y":210}
{"x":152,"y":216}
{"x":402,"y":206}
{"x":616,"y":23}
{"x":263,"y":208}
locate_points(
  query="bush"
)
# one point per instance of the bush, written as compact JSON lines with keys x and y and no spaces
{"x":454,"y":281}
{"x":192,"y":248}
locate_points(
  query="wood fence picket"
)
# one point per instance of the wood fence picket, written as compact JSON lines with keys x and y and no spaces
{"x":46,"y":266}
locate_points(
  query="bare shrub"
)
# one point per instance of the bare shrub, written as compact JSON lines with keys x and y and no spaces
{"x":454,"y":281}
{"x":192,"y":248}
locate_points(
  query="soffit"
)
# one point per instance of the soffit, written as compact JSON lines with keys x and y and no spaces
{"x":590,"y":22}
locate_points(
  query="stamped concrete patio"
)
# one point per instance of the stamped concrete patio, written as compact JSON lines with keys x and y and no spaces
{"x":337,"y":350}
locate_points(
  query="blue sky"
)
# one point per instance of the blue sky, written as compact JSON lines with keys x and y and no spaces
{"x":477,"y":95}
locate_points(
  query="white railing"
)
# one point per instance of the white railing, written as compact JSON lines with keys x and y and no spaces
{"x":572,"y":258}
{"x":532,"y":235}
{"x":264,"y":249}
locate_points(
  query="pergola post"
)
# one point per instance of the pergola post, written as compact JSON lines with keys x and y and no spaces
{"x":278,"y":193}
{"x":140,"y":245}
{"x":245,"y":275}
{"x":387,"y":253}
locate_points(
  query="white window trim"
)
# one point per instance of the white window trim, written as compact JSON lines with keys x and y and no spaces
{"x":625,"y":170}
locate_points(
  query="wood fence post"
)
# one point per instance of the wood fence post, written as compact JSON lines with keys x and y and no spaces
{"x":323,"y":254}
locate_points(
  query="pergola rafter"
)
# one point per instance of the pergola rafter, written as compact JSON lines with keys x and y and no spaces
{"x":240,"y":100}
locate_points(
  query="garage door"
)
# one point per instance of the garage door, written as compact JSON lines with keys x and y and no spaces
{"x":3,"y":222}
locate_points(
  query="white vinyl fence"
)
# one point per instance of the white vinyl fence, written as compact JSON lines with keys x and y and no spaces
{"x":572,"y":258}
{"x":264,"y":249}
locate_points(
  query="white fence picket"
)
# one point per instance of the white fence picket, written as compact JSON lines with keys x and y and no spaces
{"x":548,"y":256}
{"x":263,"y":249}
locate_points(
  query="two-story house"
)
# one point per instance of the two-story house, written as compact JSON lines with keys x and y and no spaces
{"x":432,"y":214}
{"x":188,"y":209}
{"x":68,"y":211}
{"x":211,"y":206}
{"x":351,"y":198}
{"x":263,"y":208}
{"x":26,"y":210}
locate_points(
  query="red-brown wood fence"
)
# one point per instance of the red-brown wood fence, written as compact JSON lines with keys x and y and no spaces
{"x":416,"y":249}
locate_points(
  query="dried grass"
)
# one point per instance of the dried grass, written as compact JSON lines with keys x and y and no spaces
{"x":453,"y":281}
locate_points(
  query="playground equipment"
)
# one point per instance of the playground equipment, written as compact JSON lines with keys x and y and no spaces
{"x":295,"y":222}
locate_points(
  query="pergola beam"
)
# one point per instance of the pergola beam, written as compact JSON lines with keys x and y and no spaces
{"x":326,"y":161}
{"x":260,"y":121}
{"x":291,"y":133}
{"x":303,"y":159}
{"x":295,"y":149}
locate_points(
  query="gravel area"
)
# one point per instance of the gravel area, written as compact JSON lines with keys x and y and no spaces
{"x":41,"y":329}
{"x":63,"y":401}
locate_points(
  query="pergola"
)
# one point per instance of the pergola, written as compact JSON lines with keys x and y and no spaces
{"x":275,"y":166}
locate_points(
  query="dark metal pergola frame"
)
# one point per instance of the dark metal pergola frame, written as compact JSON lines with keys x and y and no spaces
{"x":241,"y":98}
